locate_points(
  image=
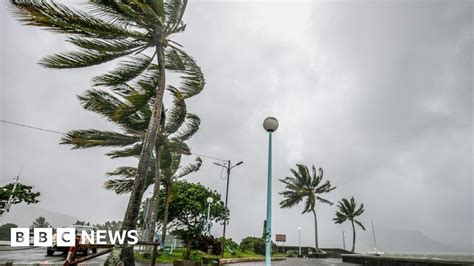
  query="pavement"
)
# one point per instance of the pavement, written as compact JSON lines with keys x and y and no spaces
{"x":37,"y":256}
{"x":300,"y":262}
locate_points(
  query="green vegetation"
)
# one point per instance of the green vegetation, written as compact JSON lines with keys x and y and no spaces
{"x":5,"y":231}
{"x":308,"y":187}
{"x":179,"y":254}
{"x":255,"y":244}
{"x":187,"y":212}
{"x":40,"y":222}
{"x":112,"y":30}
{"x":348,"y":211}
{"x":23,"y":193}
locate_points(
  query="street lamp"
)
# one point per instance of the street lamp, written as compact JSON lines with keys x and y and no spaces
{"x":270,"y":124}
{"x":210,"y":200}
{"x":299,"y":241}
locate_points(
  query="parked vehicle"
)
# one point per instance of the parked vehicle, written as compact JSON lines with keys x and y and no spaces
{"x":79,"y":228}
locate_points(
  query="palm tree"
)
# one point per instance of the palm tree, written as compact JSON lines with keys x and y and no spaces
{"x":114,"y":29}
{"x":177,"y":127}
{"x":169,"y":175}
{"x":348,"y":211}
{"x":309,"y":187}
{"x":40,"y":222}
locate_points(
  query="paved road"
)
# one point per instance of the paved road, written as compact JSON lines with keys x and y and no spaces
{"x":301,"y":262}
{"x":38,"y":255}
{"x":32,"y":255}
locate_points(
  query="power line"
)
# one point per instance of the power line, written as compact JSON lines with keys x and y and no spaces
{"x":31,"y":127}
{"x":209,"y":157}
{"x":61,"y":133}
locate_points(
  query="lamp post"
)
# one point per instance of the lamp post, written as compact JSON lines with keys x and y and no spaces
{"x":270,"y":124}
{"x":344,"y":240}
{"x":209,"y":200}
{"x":299,"y":241}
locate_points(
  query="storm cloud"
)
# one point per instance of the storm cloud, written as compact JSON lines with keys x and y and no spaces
{"x":378,"y":94}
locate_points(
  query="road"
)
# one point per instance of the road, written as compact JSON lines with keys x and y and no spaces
{"x":32,"y":255}
{"x":38,"y":255}
{"x":300,"y":262}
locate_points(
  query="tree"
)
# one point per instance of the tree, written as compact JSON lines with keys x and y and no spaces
{"x":22,"y":193}
{"x":170,"y":175}
{"x":5,"y":231}
{"x":78,"y":222}
{"x":348,"y":211}
{"x":40,"y":222}
{"x":112,"y":30}
{"x":176,"y":127}
{"x":188,"y":211}
{"x":308,"y":187}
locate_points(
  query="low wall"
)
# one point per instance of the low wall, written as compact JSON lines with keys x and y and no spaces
{"x":399,"y":261}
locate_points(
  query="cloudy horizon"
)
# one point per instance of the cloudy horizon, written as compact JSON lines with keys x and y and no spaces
{"x":377,"y":94}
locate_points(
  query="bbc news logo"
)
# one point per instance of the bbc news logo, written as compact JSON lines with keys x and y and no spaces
{"x":66,"y":237}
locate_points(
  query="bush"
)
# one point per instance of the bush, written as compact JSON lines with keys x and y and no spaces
{"x":229,"y":244}
{"x":203,"y":242}
{"x":256,"y":244}
{"x":247,"y":243}
{"x":292,"y":253}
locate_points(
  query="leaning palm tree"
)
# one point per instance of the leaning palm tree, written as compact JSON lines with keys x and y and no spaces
{"x":112,"y":29}
{"x":308,"y":187}
{"x":177,"y":127}
{"x":348,"y":211}
{"x":169,"y":175}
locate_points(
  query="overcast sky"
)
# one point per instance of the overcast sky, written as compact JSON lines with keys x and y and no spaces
{"x":378,"y":94}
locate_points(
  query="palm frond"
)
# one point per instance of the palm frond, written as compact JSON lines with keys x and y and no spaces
{"x":104,"y":45}
{"x":186,"y":170}
{"x":60,"y":18}
{"x":192,"y":79}
{"x":125,"y":72}
{"x":81,"y":139}
{"x":189,"y":128}
{"x":176,"y":116}
{"x":325,"y":201}
{"x":359,"y":224}
{"x":133,"y":151}
{"x":174,"y":11}
{"x":120,"y":185}
{"x":80,"y":59}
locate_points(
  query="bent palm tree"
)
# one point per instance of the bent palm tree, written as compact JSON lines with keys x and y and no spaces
{"x":348,"y":211}
{"x":169,"y":176}
{"x":308,"y":187}
{"x":176,"y":128}
{"x":113,"y":29}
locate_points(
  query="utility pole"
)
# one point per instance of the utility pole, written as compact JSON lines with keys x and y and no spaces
{"x":228,"y":167}
{"x":8,"y":204}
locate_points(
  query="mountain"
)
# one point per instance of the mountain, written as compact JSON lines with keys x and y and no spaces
{"x":405,"y":241}
{"x":23,"y":215}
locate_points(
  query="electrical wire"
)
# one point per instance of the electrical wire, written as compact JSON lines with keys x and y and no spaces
{"x":31,"y":127}
{"x":57,"y":132}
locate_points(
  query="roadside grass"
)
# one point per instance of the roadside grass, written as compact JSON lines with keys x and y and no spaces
{"x":197,"y":255}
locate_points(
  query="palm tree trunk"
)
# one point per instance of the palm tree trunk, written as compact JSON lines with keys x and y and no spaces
{"x":316,"y":231}
{"x":154,"y":202}
{"x":165,"y":214}
{"x":131,"y":214}
{"x":156,"y":194}
{"x":353,"y":237}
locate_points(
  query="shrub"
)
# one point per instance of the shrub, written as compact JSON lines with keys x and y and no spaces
{"x":292,"y":253}
{"x":203,"y":242}
{"x":256,"y":244}
{"x":229,"y":244}
{"x":247,"y":243}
